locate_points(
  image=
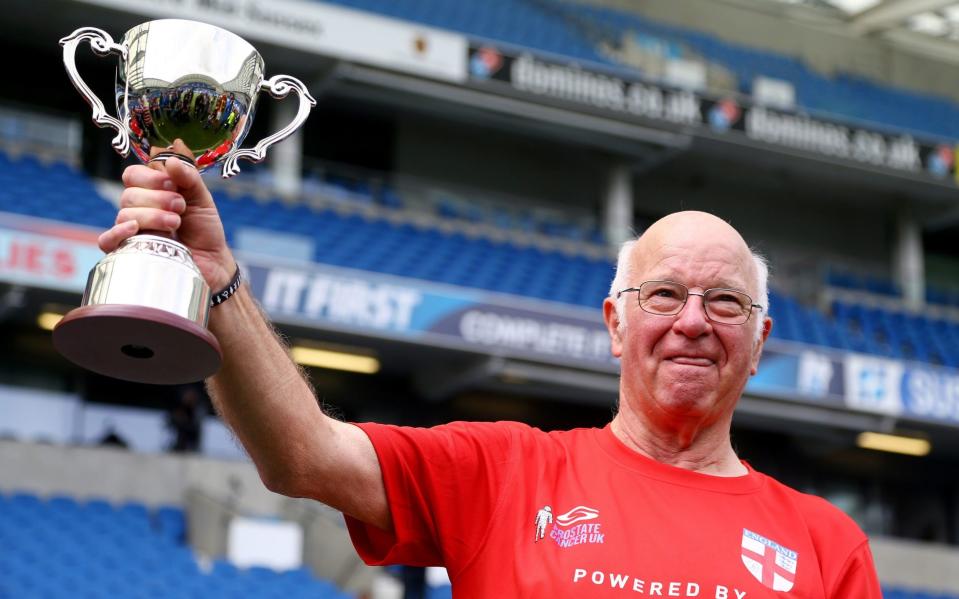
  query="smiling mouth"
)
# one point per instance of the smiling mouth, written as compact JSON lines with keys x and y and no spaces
{"x":691,"y":361}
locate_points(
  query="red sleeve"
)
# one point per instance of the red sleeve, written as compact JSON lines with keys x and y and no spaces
{"x":443,"y":486}
{"x":845,"y":561}
{"x":857,"y":577}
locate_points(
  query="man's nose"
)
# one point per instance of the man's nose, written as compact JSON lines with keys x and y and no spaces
{"x":691,"y":320}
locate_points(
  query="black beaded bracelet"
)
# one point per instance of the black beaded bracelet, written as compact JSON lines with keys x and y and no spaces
{"x":224,"y":294}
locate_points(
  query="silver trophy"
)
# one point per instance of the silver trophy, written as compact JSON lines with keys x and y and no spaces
{"x":144,"y":312}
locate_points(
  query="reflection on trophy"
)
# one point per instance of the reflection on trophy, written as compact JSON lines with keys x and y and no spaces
{"x":144,"y":311}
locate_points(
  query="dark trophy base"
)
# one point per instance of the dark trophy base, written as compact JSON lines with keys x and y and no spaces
{"x":137,"y":343}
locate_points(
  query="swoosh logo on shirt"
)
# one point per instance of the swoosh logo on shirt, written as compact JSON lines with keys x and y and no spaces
{"x":577,"y":514}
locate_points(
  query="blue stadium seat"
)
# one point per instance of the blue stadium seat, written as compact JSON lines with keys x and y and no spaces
{"x":439,"y":592}
{"x":170,"y":521}
{"x":25,"y":503}
{"x":903,"y":593}
{"x":390,"y":198}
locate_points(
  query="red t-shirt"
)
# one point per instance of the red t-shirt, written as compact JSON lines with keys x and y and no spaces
{"x":512,"y":511}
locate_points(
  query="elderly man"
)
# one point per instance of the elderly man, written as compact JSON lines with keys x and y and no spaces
{"x":654,"y":504}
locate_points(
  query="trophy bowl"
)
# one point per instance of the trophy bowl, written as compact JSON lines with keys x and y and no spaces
{"x":144,"y":312}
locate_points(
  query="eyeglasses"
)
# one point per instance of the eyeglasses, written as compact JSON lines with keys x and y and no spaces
{"x":666,"y":298}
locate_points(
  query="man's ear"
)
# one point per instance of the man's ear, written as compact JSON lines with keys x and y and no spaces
{"x":758,"y":347}
{"x":611,"y":317}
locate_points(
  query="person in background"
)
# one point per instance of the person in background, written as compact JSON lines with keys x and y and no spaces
{"x":185,"y":420}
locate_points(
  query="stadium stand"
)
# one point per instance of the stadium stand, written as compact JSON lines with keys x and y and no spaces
{"x":432,"y":254}
{"x":67,"y":548}
{"x":575,"y":30}
{"x":381,"y":246}
{"x":846,"y":280}
{"x":340,"y":239}
{"x":92,"y":548}
{"x":521,"y":23}
{"x":845,"y":95}
{"x":350,"y":186}
{"x":892,"y":593}
{"x":55,"y":190}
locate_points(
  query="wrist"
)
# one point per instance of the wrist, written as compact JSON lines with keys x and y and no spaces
{"x":227,"y":291}
{"x":221,"y":271}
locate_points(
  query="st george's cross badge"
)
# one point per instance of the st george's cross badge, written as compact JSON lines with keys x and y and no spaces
{"x":771,"y":563}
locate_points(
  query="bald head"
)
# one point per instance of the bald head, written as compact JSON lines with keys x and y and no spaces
{"x":693,"y":223}
{"x":689,"y":236}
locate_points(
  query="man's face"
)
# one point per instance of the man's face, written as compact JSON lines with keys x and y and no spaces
{"x":682,"y":367}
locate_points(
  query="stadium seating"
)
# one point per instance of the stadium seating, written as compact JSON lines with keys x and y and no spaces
{"x":57,"y":192}
{"x":864,"y":329}
{"x":371,"y":189}
{"x":942,"y":297}
{"x":403,"y":249}
{"x":575,"y":30}
{"x":51,"y":191}
{"x":844,"y":279}
{"x":870,"y":310}
{"x":59,"y":547}
{"x":380,"y":246}
{"x":899,"y":593}
{"x":900,"y":335}
{"x":520,"y":23}
{"x":845,"y":95}
{"x":431,"y":254}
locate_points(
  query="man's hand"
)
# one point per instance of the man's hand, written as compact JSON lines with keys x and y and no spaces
{"x":168,"y":198}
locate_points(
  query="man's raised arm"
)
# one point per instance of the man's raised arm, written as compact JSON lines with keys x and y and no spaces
{"x":259,"y":392}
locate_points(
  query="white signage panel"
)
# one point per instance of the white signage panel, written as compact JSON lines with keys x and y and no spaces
{"x":321,"y":29}
{"x":42,"y":260}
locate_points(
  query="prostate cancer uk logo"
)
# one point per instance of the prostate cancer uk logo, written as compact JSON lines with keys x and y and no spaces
{"x":769,"y":562}
{"x":575,"y":527}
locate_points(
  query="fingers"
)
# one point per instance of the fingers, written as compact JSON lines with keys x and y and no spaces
{"x":186,"y":177}
{"x":188,"y":182}
{"x":150,"y":219}
{"x":110,"y":239}
{"x":155,"y":197}
{"x":131,"y":221}
{"x":139,"y":197}
{"x":171,"y":175}
{"x":147,"y":177}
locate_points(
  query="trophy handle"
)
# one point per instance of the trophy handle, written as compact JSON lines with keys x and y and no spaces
{"x":102,"y":45}
{"x":279,"y":87}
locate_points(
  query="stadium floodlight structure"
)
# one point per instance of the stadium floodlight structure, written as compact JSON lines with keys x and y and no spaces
{"x":893,"y":13}
{"x":930,"y":26}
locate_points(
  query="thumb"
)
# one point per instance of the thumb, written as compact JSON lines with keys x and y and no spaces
{"x":187,"y":178}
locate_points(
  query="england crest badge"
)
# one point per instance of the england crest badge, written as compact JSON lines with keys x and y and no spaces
{"x":769,"y":562}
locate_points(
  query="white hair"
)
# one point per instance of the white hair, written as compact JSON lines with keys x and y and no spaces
{"x":624,"y":266}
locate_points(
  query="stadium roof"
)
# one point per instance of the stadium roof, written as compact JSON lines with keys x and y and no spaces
{"x":930,"y":25}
